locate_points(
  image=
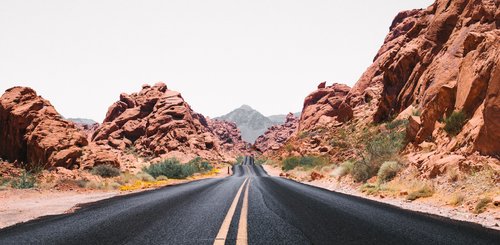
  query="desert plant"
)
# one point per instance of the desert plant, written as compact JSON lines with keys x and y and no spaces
{"x":25,"y":181}
{"x":396,"y":124}
{"x":456,"y":200}
{"x":162,"y":178}
{"x":171,"y":168}
{"x":423,"y":191}
{"x":303,"y":161}
{"x":388,"y":170}
{"x":105,"y":171}
{"x":239,"y":159}
{"x":200,"y":165}
{"x":344,"y":169}
{"x":481,"y":205}
{"x":455,"y":122}
{"x":370,"y":189}
{"x":384,"y":145}
{"x":146,"y":177}
{"x":362,"y":170}
{"x":453,"y":175}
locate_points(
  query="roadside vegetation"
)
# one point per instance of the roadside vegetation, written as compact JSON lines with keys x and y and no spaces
{"x":173,"y":169}
{"x":455,"y":122}
{"x":105,"y":171}
{"x":306,"y":162}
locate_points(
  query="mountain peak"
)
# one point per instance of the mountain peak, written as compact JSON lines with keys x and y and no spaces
{"x":246,"y":107}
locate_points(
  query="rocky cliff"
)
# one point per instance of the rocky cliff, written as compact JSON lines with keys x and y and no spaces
{"x":229,"y":138}
{"x":438,"y":67}
{"x":157,"y":122}
{"x":32,"y":133}
{"x":277,"y":135}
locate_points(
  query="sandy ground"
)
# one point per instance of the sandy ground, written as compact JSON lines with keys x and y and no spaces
{"x":489,"y":219}
{"x":17,"y":206}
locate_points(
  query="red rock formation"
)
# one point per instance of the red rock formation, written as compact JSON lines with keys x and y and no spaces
{"x":325,"y":105}
{"x":442,"y":59}
{"x":156,"y":122}
{"x":276,"y":136}
{"x":32,"y":132}
{"x":229,"y":138}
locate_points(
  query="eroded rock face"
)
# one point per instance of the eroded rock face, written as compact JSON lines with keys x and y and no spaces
{"x":442,"y":59}
{"x":155,"y":122}
{"x":229,"y":137}
{"x":276,"y":136}
{"x":326,"y":105}
{"x":32,"y":132}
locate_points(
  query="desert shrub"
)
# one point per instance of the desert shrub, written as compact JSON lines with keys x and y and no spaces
{"x":456,"y":200}
{"x":260,"y":160}
{"x":481,"y":205}
{"x":161,"y":177}
{"x":455,"y":122}
{"x":105,"y":171}
{"x":95,"y":185}
{"x":388,"y":171}
{"x":396,"y":124}
{"x":173,"y":169}
{"x":416,"y":112}
{"x":385,"y":145}
{"x":424,"y":191}
{"x":25,"y":181}
{"x":344,"y":169}
{"x":200,"y":165}
{"x":362,"y":170}
{"x":303,"y":161}
{"x":145,"y":177}
{"x":289,"y":147}
{"x":370,"y":189}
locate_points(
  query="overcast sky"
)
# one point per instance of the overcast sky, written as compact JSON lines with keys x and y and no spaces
{"x":81,"y":55}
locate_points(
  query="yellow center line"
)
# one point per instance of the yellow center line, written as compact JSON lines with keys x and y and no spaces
{"x":224,"y":228}
{"x":242,"y":238}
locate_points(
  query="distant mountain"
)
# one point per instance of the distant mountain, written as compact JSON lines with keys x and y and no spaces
{"x":82,"y":121}
{"x":251,"y":123}
{"x":280,"y":119}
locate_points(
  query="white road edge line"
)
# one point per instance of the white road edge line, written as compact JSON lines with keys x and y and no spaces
{"x":242,"y":238}
{"x":220,"y":239}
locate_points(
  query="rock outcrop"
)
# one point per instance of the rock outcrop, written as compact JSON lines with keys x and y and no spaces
{"x":157,"y":122}
{"x":33,"y":133}
{"x":229,"y":138}
{"x":325,"y":105}
{"x":276,"y":136}
{"x":442,"y":59}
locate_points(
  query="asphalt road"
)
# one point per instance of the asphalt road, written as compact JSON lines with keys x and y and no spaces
{"x":248,"y":207}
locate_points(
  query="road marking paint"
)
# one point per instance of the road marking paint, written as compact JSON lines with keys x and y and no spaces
{"x":224,"y":228}
{"x":242,"y":238}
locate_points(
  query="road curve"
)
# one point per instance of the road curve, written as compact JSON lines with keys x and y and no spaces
{"x":249,"y":207}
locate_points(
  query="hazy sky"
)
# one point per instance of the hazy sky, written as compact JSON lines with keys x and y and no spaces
{"x":81,"y":55}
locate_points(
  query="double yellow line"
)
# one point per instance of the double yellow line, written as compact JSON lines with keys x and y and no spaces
{"x":242,"y":238}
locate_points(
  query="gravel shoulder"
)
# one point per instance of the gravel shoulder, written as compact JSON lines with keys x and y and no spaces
{"x":489,"y":219}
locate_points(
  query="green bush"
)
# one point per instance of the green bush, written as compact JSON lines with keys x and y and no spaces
{"x":105,"y":171}
{"x":385,"y":145}
{"x":388,"y":170}
{"x":305,"y":161}
{"x":395,"y":124}
{"x":455,"y":122}
{"x":239,"y":159}
{"x":25,"y":181}
{"x":145,"y":177}
{"x":173,"y":169}
{"x":200,"y":165}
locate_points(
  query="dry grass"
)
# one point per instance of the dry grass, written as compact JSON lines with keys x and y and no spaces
{"x":456,"y":199}
{"x":424,"y":191}
{"x":482,"y":205}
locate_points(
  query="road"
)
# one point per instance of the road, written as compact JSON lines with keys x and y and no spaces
{"x":249,"y":207}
